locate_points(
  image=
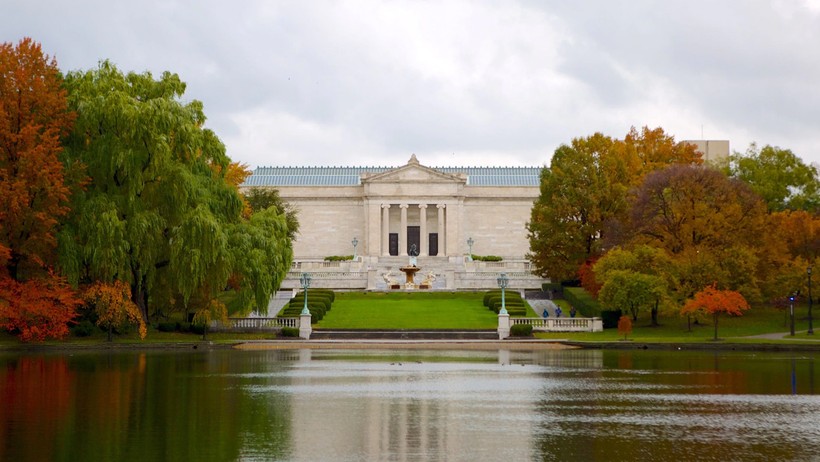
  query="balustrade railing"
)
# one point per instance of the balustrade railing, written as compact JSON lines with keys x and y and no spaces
{"x":260,"y":323}
{"x":561,"y":324}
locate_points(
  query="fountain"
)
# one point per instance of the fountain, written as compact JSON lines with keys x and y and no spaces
{"x":409,"y":272}
{"x":411,"y":269}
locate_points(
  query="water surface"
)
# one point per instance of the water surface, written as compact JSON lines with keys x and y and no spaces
{"x":342,"y":405}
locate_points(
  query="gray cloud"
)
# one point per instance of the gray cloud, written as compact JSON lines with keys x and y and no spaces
{"x":457,"y":83}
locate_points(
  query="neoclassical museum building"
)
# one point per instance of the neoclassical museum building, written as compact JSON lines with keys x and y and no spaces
{"x":385,"y":215}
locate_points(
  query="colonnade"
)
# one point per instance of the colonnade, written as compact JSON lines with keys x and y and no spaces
{"x":424,"y":250}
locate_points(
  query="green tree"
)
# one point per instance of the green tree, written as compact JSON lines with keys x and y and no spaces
{"x":779,"y":177}
{"x":159,"y":207}
{"x":260,"y":199}
{"x":653,"y":271}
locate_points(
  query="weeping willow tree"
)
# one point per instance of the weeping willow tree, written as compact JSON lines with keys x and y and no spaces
{"x":155,"y":208}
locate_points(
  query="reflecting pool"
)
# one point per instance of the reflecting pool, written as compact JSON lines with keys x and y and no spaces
{"x":368,"y":405}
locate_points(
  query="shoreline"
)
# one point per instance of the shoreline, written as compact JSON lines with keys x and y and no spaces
{"x":382,"y":344}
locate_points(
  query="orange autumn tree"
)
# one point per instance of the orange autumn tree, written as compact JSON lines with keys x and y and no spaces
{"x":714,"y":301}
{"x":35,"y":303}
{"x":113,"y":306}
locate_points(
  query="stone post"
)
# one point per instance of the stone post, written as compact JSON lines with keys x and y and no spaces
{"x":597,"y":325}
{"x":305,"y":328}
{"x":503,"y":326}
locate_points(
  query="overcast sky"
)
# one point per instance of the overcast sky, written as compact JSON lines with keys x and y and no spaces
{"x":458,"y":83}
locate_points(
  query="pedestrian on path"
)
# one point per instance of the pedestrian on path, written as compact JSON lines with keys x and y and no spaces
{"x":546,"y":313}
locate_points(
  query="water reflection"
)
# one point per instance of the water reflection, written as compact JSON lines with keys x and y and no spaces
{"x":347,"y":405}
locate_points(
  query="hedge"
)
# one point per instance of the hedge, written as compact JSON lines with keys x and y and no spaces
{"x":583,"y":302}
{"x":521,"y":330}
{"x":487,"y":258}
{"x":339,"y":258}
{"x":290,"y":332}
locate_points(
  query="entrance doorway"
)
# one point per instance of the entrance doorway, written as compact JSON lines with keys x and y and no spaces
{"x":413,"y":238}
{"x":393,"y":244}
{"x":433,"y":244}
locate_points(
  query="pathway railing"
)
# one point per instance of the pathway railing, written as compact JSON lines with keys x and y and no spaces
{"x":561,"y":324}
{"x":261,"y":324}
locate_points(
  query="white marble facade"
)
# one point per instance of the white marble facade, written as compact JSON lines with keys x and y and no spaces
{"x":390,"y":210}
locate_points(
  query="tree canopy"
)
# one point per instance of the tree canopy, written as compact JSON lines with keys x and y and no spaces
{"x":779,"y":177}
{"x":161,"y":208}
{"x":35,"y":303}
{"x":585,"y":189}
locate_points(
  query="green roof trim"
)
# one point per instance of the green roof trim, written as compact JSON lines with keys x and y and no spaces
{"x":351,"y":176}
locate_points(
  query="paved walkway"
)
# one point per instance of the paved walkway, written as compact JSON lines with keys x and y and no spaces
{"x":786,"y":336}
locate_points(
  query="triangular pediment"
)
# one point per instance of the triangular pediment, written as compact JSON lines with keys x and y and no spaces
{"x":413,"y":172}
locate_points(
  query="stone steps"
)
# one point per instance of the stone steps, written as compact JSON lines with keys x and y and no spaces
{"x":319,"y":334}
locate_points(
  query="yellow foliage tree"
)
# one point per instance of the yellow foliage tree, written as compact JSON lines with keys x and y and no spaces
{"x":113,"y":306}
{"x":215,"y":311}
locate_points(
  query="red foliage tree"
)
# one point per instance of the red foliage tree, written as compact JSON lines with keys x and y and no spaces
{"x":587,"y":276}
{"x":33,"y":194}
{"x":716,"y":301}
{"x":37,"y":309}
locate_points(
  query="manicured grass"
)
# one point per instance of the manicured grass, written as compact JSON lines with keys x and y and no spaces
{"x":402,"y":310}
{"x":673,"y":328}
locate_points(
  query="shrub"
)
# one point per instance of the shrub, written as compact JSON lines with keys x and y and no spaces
{"x":610,"y":318}
{"x":167,"y":326}
{"x":83,"y":329}
{"x":583,"y":301}
{"x":198,"y":329}
{"x":290,"y":332}
{"x":339,"y":257}
{"x":521,"y":330}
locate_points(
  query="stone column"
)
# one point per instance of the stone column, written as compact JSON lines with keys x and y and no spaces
{"x":403,"y":231}
{"x":442,"y":251}
{"x":385,"y":229}
{"x":423,"y":230}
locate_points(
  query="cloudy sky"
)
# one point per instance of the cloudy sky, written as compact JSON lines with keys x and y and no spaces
{"x":456,"y":82}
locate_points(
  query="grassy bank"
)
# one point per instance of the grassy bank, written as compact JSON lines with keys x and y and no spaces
{"x":465,"y":311}
{"x":402,"y":310}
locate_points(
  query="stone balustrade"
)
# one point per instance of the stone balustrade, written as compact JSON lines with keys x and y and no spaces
{"x":561,"y":324}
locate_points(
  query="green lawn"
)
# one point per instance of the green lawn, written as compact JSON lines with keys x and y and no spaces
{"x":402,"y":310}
{"x":674,"y":328}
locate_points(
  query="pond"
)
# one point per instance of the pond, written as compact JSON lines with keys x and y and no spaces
{"x":367,"y":405}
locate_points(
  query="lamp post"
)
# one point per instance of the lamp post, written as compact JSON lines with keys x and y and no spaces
{"x":791,"y":315}
{"x":503,"y":280}
{"x":811,"y":328}
{"x":355,"y":243}
{"x":470,"y":243}
{"x":305,"y":280}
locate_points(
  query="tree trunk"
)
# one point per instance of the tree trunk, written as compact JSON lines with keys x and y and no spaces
{"x":110,"y":328}
{"x":655,"y":315}
{"x":716,"y":322}
{"x":139,"y":295}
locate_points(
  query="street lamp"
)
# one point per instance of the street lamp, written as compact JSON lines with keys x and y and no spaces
{"x":355,"y":243}
{"x":305,"y":280}
{"x":791,"y":315}
{"x":811,"y":328}
{"x":503,"y":280}
{"x":470,"y":243}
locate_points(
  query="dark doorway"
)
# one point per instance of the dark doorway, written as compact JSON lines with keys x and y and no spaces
{"x":433,"y":244}
{"x":413,"y":238}
{"x":393,"y":244}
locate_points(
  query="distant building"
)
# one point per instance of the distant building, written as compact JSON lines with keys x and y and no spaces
{"x":444,"y":213}
{"x":715,"y":152}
